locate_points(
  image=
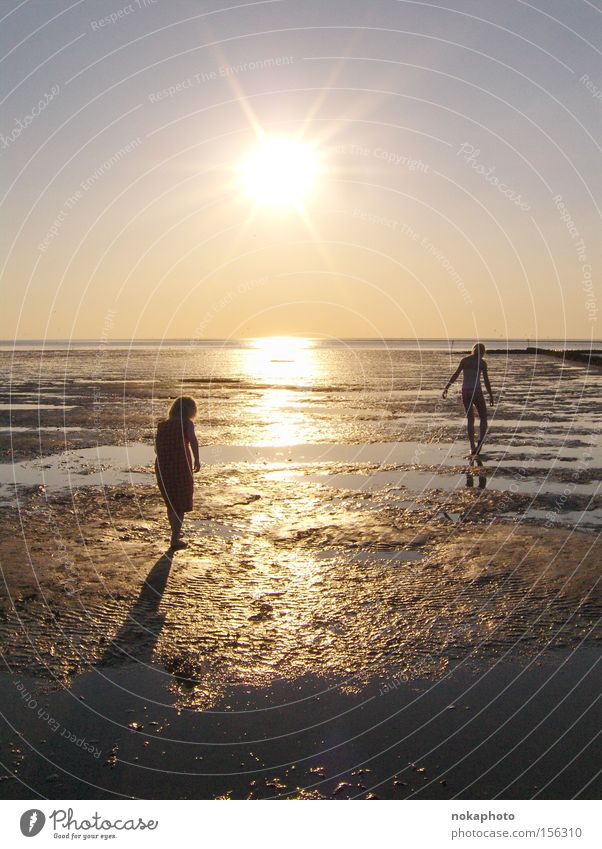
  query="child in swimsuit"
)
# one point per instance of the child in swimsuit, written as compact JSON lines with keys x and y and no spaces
{"x":173,"y":466}
{"x":472,"y":367}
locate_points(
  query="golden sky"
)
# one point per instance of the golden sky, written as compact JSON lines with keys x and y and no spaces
{"x":333,"y":170}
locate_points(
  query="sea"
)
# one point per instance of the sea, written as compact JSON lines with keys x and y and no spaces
{"x":356,"y":413}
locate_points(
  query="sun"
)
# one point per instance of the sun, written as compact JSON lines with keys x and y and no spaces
{"x":279,"y":172}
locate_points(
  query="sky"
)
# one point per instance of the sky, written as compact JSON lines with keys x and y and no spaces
{"x":452,"y":190}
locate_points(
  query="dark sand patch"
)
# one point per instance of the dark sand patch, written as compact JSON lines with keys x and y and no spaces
{"x":510,"y":729}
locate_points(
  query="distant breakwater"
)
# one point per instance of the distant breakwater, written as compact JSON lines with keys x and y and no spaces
{"x":590,"y":358}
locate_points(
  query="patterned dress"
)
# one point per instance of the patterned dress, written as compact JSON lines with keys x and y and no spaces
{"x":173,"y":465}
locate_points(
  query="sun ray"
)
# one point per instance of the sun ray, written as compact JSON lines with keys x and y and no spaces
{"x":328,"y":87}
{"x":237,"y":90}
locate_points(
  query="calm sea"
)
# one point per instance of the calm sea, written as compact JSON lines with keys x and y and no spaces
{"x":403,"y":344}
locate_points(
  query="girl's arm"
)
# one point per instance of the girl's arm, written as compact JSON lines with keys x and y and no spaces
{"x":487,"y":384}
{"x":194,"y":444}
{"x":453,"y":378}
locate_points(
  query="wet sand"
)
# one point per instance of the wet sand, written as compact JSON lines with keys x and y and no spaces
{"x":301,"y":621}
{"x":469,"y":734}
{"x":351,"y":619}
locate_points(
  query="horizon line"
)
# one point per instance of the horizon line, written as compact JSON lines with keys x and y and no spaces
{"x":300,"y":336}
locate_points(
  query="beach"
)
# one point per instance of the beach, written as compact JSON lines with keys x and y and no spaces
{"x":360,"y":613}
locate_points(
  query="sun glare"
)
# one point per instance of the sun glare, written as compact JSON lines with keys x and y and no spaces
{"x":280,"y":346}
{"x":279,"y":172}
{"x":280,"y":359}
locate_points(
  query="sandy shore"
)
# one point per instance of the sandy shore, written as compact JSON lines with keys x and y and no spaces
{"x":301,"y":616}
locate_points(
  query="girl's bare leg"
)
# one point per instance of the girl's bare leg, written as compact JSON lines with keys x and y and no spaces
{"x":482,"y":410}
{"x":175,"y":523}
{"x":470,"y":428}
{"x":467,"y":400}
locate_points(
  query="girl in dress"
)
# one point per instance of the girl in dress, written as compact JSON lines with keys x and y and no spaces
{"x":174,"y":464}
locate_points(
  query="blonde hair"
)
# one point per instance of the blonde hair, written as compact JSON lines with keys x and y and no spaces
{"x":183,"y":408}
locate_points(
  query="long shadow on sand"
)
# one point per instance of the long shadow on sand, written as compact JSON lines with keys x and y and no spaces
{"x":141,"y":628}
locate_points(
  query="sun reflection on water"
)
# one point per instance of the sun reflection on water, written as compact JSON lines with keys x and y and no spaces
{"x":281,"y":360}
{"x":286,"y":365}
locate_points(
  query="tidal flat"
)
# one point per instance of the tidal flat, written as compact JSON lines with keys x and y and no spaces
{"x":359,"y":614}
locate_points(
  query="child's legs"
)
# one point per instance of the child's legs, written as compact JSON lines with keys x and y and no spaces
{"x":467,"y":398}
{"x":481,"y":406}
{"x":470,"y":427}
{"x":175,"y":522}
